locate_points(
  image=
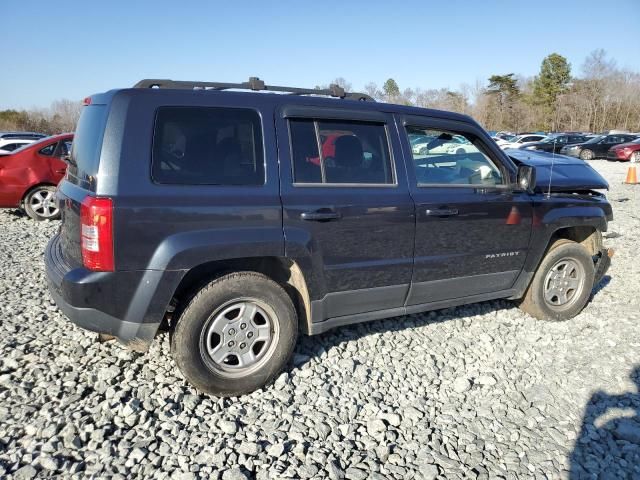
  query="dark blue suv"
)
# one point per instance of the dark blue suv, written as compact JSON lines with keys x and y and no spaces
{"x":235,"y":219}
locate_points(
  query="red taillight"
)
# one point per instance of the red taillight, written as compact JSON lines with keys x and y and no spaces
{"x":96,"y":237}
{"x":86,"y":101}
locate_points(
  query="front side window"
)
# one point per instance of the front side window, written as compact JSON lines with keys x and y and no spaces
{"x":441,"y":160}
{"x":339,"y":152}
{"x":208,"y":146}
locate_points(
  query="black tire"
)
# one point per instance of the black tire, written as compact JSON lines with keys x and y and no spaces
{"x":191,"y":337}
{"x":586,"y":154}
{"x":537,"y":304}
{"x":39,"y":203}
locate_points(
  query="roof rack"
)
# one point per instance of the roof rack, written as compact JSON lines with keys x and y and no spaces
{"x":254,"y":84}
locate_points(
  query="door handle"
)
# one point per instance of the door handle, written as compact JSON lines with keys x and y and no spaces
{"x":441,"y":212}
{"x":320,"y":216}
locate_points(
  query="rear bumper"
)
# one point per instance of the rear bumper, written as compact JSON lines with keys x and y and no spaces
{"x":127,"y":305}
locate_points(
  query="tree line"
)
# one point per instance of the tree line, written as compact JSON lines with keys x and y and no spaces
{"x":601,"y":97}
{"x":60,"y":117}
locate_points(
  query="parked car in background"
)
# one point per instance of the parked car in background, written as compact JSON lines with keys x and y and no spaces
{"x":625,"y":152}
{"x":29,"y":175}
{"x":554,"y":142}
{"x":10,"y":144}
{"x":520,"y":141}
{"x":596,"y":147}
{"x":442,"y":143}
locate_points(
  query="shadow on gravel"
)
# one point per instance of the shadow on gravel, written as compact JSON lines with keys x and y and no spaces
{"x":606,"y":280}
{"x":608,"y":446}
{"x":17,"y":213}
{"x":315,"y":345}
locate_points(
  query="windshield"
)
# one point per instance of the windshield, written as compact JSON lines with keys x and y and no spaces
{"x":595,"y":139}
{"x":551,"y":139}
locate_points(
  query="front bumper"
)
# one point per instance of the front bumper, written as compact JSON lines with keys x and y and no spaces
{"x":126,"y":305}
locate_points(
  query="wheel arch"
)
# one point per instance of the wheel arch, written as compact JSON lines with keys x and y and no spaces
{"x":31,"y":188}
{"x":284,"y":271}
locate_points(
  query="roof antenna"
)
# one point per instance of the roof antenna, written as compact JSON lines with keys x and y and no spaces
{"x":553,"y":157}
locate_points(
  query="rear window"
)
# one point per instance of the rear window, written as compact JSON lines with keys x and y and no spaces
{"x":87,"y":143}
{"x":208,"y":146}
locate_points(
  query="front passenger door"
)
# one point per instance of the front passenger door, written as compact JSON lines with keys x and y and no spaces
{"x":472,"y":229}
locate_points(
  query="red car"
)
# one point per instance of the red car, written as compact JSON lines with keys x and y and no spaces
{"x":625,"y":152}
{"x":29,"y":175}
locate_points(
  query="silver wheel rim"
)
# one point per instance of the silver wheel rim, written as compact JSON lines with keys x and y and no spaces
{"x":587,"y":154}
{"x":43,"y":204}
{"x":564,"y":283}
{"x":239,"y":337}
{"x":635,"y":157}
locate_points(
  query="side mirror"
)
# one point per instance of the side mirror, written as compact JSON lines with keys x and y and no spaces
{"x":66,"y":157}
{"x":526,"y":178}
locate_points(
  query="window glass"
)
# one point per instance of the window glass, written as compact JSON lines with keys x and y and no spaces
{"x":48,"y":150}
{"x":208,"y":146}
{"x":440,"y":160}
{"x":340,"y":152}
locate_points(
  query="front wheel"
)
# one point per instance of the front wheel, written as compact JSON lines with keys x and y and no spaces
{"x":562,"y":285}
{"x":235,"y":335}
{"x":40,"y":203}
{"x":586,"y":154}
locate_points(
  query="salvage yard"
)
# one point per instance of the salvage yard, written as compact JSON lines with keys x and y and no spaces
{"x":481,"y":391}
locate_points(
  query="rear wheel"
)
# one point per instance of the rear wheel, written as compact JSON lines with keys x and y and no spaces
{"x":586,"y":154}
{"x":235,"y":335}
{"x":40,"y":203}
{"x":562,"y":284}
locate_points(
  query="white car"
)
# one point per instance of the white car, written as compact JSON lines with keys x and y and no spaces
{"x":10,"y":144}
{"x":521,"y":140}
{"x":432,"y":145}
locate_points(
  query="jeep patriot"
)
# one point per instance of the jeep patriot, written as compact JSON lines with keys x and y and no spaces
{"x":235,"y":216}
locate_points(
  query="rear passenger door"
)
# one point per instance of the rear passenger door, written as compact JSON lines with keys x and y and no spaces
{"x":472,"y":229}
{"x":347,"y":214}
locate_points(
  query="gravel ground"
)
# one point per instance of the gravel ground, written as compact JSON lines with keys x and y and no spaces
{"x":481,"y":391}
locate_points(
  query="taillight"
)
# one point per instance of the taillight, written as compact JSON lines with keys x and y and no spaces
{"x":86,"y":101}
{"x":96,"y":220}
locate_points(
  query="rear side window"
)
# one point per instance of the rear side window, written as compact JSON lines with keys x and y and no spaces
{"x":208,"y":146}
{"x":48,"y":150}
{"x":335,"y":152}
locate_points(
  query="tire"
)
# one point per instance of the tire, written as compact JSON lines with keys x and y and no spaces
{"x":40,"y":205}
{"x":232,"y":310}
{"x":541,"y":300}
{"x":635,"y":157}
{"x":587,"y":154}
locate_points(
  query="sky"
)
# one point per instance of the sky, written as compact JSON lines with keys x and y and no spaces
{"x":81,"y":47}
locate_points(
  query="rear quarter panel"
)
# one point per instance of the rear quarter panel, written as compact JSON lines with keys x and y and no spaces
{"x":177,"y":227}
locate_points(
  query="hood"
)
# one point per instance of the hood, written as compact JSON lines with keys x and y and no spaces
{"x":568,"y":174}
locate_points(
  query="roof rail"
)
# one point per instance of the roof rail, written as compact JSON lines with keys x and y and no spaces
{"x":254,"y":84}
